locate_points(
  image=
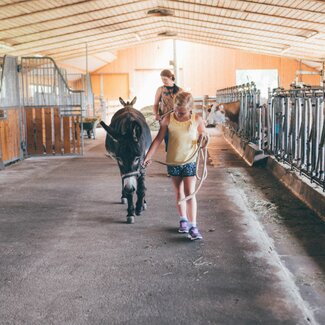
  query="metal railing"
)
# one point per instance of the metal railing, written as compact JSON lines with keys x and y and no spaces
{"x":79,"y":81}
{"x":296,"y":132}
{"x":44,"y":85}
{"x":9,"y":83}
{"x":252,"y":121}
{"x":291,"y":126}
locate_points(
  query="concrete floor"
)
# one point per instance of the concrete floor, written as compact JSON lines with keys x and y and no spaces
{"x":68,"y":257}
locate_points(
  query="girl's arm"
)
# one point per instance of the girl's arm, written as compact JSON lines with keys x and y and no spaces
{"x":201,"y":128}
{"x":156,"y":104}
{"x":157,"y":141}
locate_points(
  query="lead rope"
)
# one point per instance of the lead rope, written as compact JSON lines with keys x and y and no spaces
{"x":202,"y":149}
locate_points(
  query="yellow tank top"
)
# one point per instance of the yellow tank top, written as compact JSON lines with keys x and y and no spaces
{"x":182,"y":141}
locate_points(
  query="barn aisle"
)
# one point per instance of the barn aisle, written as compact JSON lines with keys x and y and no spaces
{"x":68,"y":257}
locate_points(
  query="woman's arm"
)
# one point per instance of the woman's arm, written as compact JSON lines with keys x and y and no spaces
{"x":156,"y":104}
{"x":156,"y":142}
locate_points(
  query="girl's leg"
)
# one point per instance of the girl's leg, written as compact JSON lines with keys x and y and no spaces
{"x":191,"y":205}
{"x":179,"y":191}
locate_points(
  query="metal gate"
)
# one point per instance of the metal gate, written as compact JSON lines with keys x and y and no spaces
{"x":53,"y":112}
{"x":297,"y":129}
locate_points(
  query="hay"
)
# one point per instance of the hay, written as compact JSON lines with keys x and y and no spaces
{"x":147,"y":112}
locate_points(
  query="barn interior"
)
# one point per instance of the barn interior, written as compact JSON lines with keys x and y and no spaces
{"x":64,"y":65}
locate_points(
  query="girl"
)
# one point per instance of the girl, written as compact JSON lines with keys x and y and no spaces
{"x":184,"y":131}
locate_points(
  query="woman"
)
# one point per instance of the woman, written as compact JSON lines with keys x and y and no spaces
{"x":184,"y":131}
{"x":164,"y":98}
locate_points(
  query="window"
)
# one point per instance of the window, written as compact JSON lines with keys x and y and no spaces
{"x":264,"y":79}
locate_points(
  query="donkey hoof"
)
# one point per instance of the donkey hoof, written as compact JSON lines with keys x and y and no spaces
{"x":124,"y":200}
{"x":130,"y":219}
{"x":145,"y":206}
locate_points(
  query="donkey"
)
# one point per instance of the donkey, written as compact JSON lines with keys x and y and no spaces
{"x":128,"y":139}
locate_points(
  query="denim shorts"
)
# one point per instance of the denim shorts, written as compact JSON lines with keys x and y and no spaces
{"x":183,"y":170}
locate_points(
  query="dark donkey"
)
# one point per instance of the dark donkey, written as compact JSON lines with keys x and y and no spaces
{"x":128,"y":139}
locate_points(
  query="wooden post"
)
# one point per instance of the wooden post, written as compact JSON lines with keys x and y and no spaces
{"x":57,"y":131}
{"x":66,"y":134}
{"x":48,"y":130}
{"x":39,"y":131}
{"x":30,"y":131}
{"x":1,"y":137}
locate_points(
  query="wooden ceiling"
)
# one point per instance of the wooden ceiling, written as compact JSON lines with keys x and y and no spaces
{"x":61,"y":28}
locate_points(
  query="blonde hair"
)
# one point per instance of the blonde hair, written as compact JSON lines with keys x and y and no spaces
{"x":184,"y":99}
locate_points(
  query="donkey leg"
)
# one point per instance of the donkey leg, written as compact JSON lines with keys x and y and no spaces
{"x":141,"y":191}
{"x":123,"y":195}
{"x":130,"y":215}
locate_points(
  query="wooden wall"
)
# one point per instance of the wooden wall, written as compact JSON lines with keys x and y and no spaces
{"x":111,"y":85}
{"x":10,"y":137}
{"x":49,"y":133}
{"x":202,"y":68}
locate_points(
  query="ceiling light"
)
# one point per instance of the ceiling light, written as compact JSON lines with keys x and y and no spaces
{"x":312,"y":34}
{"x":160,"y":12}
{"x":308,"y":33}
{"x":167,"y":34}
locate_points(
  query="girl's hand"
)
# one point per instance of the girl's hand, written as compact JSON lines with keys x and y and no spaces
{"x":157,"y":117}
{"x":146,"y":162}
{"x":203,"y":139}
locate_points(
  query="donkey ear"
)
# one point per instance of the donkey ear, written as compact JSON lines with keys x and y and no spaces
{"x":136,"y":132}
{"x":109,"y":130}
{"x":122,"y":101}
{"x":133,"y":101}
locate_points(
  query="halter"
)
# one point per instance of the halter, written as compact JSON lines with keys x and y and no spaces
{"x":126,"y":175}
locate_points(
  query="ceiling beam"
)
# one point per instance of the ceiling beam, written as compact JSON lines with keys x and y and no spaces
{"x":86,"y":28}
{"x":132,"y":29}
{"x":121,"y":45}
{"x":13,"y":4}
{"x":98,"y":46}
{"x":249,"y":36}
{"x":39,"y":37}
{"x":74,"y":35}
{"x":131,"y":20}
{"x":246,"y":12}
{"x":38,"y":24}
{"x":276,"y":5}
{"x":46,"y":10}
{"x":189,"y":32}
{"x":76,"y":41}
{"x":265,"y":52}
{"x":67,"y":16}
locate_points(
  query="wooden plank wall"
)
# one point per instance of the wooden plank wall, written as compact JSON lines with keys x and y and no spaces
{"x":10,"y":137}
{"x":48,"y":133}
{"x":202,"y":68}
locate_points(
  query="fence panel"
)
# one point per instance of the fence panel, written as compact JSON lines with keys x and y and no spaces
{"x":53,"y":111}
